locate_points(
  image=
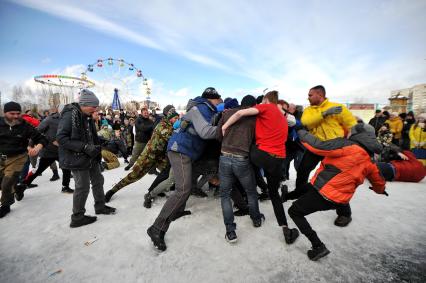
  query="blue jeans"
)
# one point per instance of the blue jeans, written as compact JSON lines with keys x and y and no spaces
{"x":230,"y":169}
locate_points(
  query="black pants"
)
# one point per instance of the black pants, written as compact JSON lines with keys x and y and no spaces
{"x":164,"y":175}
{"x":43,"y":165}
{"x":260,"y":182}
{"x":309,"y":203}
{"x":272,"y":167}
{"x":308,"y":163}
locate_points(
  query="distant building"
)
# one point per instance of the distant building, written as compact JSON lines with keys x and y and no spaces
{"x":409,"y":99}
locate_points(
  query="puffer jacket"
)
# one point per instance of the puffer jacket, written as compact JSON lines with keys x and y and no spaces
{"x":49,"y":127}
{"x":330,"y":127}
{"x":395,"y":126}
{"x":75,"y":130}
{"x":346,"y":164}
{"x":195,"y":128}
{"x":417,"y":137}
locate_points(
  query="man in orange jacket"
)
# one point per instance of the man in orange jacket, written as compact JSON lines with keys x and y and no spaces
{"x":346,"y":164}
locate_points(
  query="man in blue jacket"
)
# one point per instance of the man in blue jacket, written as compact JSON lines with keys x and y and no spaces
{"x":185,"y":146}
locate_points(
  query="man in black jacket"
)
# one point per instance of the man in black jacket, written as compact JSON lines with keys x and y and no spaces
{"x":377,"y":121}
{"x":15,"y":134}
{"x":80,"y":152}
{"x":143,"y":131}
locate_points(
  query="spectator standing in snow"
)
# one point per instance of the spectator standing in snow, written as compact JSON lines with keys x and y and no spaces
{"x":80,"y":152}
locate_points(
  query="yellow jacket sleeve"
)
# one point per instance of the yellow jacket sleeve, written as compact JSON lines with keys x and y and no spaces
{"x":311,"y":117}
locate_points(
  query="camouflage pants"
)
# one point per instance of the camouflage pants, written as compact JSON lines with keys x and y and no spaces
{"x":110,"y":159}
{"x":9,"y":173}
{"x":144,"y":163}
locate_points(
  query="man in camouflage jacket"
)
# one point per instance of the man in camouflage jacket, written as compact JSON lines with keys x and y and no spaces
{"x":154,"y":153}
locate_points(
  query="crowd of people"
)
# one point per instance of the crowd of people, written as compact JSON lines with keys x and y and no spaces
{"x":242,"y":150}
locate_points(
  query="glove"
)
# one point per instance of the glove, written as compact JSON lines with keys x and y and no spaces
{"x":92,"y":150}
{"x":332,"y":111}
{"x":384,"y":192}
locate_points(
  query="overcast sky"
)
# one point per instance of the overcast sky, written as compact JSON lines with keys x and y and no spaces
{"x":359,"y":50}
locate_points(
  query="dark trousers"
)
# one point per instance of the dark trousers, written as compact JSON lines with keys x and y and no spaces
{"x":309,"y":203}
{"x":308,"y":163}
{"x":164,"y":175}
{"x":272,"y":167}
{"x":44,"y":163}
{"x":260,"y":182}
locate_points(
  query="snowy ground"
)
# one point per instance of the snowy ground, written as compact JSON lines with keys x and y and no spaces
{"x":386,"y":241}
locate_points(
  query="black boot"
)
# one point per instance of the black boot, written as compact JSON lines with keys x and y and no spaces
{"x":109,"y":195}
{"x":198,"y":193}
{"x":258,"y":222}
{"x":147,"y":200}
{"x":318,"y":252}
{"x":157,"y":238}
{"x":4,"y":209}
{"x":342,"y":221}
{"x":263,"y":196}
{"x":87,"y":219}
{"x":67,"y":190}
{"x":107,"y":210}
{"x":19,"y":191}
{"x":127,"y":168}
{"x":55,"y":176}
{"x":290,"y":235}
{"x":241,"y":212}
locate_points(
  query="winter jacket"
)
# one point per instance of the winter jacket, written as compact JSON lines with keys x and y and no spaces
{"x":395,"y":126}
{"x":411,"y":170}
{"x":346,"y":164}
{"x":14,"y":139}
{"x":417,"y":137}
{"x":143,"y":127}
{"x":377,"y":123}
{"x":330,"y":127}
{"x":76,"y":130}
{"x":195,"y":128}
{"x":116,"y":145}
{"x":49,"y":127}
{"x":240,"y":136}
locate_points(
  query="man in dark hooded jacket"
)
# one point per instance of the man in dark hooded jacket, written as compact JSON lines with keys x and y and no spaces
{"x":80,"y":152}
{"x":346,"y":164}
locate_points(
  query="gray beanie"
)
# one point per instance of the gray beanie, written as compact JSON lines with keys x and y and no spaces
{"x":362,"y":128}
{"x":88,"y":98}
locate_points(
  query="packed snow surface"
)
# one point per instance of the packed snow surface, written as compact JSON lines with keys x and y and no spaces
{"x":386,"y":241}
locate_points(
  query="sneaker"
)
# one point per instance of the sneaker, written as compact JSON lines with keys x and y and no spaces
{"x":4,"y":209}
{"x":19,"y":191}
{"x":241,"y":212}
{"x":198,"y":193}
{"x":290,"y":235}
{"x":30,"y":186}
{"x":318,"y":252}
{"x":127,"y":168}
{"x":109,"y":195}
{"x":54,"y":178}
{"x":67,"y":190}
{"x":231,"y":237}
{"x":342,"y":221}
{"x":108,"y":210}
{"x":157,"y":238}
{"x":258,"y":222}
{"x":147,"y":200}
{"x":263,"y":196}
{"x":84,"y":221}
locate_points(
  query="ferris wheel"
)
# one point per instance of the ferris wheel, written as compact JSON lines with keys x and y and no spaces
{"x":113,"y":77}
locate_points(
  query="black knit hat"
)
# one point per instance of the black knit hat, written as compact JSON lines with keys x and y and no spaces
{"x":210,"y":93}
{"x":12,"y":106}
{"x":248,"y":101}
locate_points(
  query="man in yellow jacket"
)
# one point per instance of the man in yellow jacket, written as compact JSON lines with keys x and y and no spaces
{"x":395,"y":127}
{"x":325,"y":120}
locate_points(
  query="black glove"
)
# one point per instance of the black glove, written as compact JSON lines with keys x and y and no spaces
{"x":332,"y":111}
{"x":92,"y":150}
{"x":384,"y":192}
